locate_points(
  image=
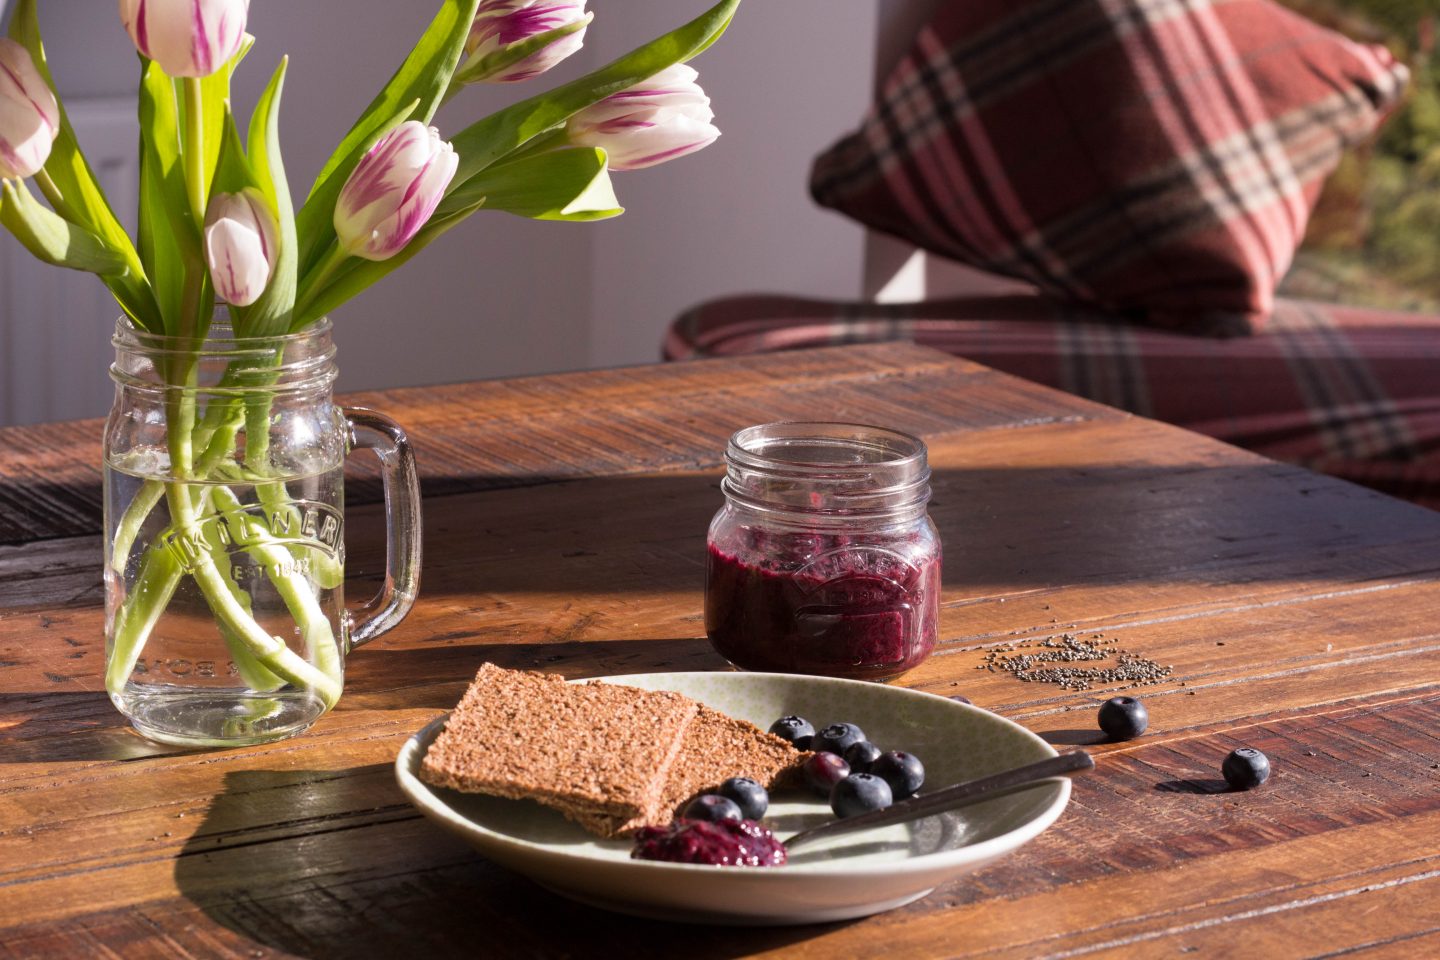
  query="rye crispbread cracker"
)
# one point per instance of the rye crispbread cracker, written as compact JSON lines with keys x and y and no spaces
{"x":598,"y":750}
{"x":715,"y":748}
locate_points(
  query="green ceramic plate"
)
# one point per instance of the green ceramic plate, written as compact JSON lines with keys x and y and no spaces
{"x":849,"y":876}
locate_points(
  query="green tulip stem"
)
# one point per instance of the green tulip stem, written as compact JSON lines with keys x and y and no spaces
{"x":217,"y":435}
{"x":274,"y":556}
{"x":136,"y":513}
{"x":195,"y":148}
{"x":160,"y":574}
{"x":231,"y":615}
{"x":264,"y":661}
{"x":315,"y":282}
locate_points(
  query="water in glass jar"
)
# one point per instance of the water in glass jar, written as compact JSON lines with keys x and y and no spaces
{"x":273,"y":553}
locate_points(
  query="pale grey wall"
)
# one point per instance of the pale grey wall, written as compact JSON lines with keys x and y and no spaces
{"x":501,"y":296}
{"x":785,"y":82}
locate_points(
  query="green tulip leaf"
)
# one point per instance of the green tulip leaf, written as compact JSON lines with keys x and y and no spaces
{"x":214,"y":105}
{"x":423,"y":77}
{"x":82,"y":202}
{"x":169,"y":240}
{"x":275,"y":309}
{"x":52,"y":238}
{"x":233,"y":173}
{"x":159,"y":247}
{"x":715,"y":34}
{"x":486,"y":142}
{"x":571,"y":184}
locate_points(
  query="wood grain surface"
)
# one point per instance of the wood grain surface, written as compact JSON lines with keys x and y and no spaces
{"x":565,"y":523}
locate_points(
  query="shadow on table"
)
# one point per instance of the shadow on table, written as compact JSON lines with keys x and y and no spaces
{"x":1074,"y":738}
{"x":1008,"y":527}
{"x":1003,"y":528}
{"x":1198,"y":786}
{"x":335,"y":863}
{"x":380,"y":677}
{"x":66,"y":726}
{"x":60,"y":726}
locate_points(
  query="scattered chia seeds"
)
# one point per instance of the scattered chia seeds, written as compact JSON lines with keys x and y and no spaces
{"x":1121,"y":666}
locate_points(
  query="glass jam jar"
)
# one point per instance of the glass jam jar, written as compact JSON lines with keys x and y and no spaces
{"x":823,"y":559}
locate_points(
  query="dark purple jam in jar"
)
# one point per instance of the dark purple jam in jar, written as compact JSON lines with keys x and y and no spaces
{"x":823,"y":559}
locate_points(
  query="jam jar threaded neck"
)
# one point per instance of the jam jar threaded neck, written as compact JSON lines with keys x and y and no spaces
{"x":828,"y":474}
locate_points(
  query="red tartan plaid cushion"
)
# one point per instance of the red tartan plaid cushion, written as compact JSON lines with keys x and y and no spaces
{"x":1156,"y":158}
{"x":1347,"y":391}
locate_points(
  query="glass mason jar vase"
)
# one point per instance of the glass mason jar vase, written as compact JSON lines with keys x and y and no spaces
{"x":225,"y":618}
{"x":823,"y":559}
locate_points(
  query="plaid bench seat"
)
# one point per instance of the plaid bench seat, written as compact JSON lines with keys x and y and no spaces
{"x":1347,"y":391}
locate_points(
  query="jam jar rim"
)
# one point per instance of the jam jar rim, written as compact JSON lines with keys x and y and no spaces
{"x":736,"y":451}
{"x":765,"y":482}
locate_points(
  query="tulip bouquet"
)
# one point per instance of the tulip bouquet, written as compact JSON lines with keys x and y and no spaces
{"x":218,"y":229}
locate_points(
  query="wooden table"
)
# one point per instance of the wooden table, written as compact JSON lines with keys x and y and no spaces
{"x":565,"y":520}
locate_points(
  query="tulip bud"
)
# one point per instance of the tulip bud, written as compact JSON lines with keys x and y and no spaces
{"x":239,"y":246}
{"x":393,"y":191}
{"x":500,"y":23}
{"x":188,"y":38}
{"x":659,"y":119}
{"x":29,"y":115}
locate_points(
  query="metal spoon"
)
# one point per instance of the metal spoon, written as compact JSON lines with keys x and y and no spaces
{"x":961,"y":794}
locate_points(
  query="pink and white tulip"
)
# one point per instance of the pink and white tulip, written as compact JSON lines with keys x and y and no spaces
{"x":29,"y":115}
{"x":393,"y":191}
{"x":188,"y":38}
{"x":659,"y":119}
{"x":240,"y":238}
{"x":501,"y":23}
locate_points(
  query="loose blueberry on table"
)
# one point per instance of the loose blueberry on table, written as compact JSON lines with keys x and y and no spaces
{"x":727,"y":843}
{"x":1123,"y":718}
{"x":902,"y":771}
{"x":823,"y":771}
{"x":750,"y":797}
{"x":837,"y":738}
{"x":713,"y":808}
{"x":860,"y":755}
{"x":860,"y":793}
{"x":1246,"y":768}
{"x":797,"y":730}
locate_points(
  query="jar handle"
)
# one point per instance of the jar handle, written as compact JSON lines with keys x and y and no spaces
{"x":372,"y":431}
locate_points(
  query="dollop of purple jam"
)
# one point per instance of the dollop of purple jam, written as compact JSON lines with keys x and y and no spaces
{"x":841,"y":611}
{"x":727,"y":843}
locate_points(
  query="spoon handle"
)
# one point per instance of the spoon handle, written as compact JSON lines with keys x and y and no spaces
{"x":961,"y":794}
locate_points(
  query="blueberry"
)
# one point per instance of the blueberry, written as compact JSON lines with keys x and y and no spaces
{"x":959,"y":698}
{"x":713,"y":808}
{"x":903,"y":772}
{"x":860,"y":793}
{"x":748,"y":795}
{"x":837,"y":738}
{"x":860,"y":755}
{"x":1246,"y":768}
{"x":1123,"y":718}
{"x":823,"y":771}
{"x":797,"y":730}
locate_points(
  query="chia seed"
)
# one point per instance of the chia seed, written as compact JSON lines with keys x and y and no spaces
{"x":1053,"y":658}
